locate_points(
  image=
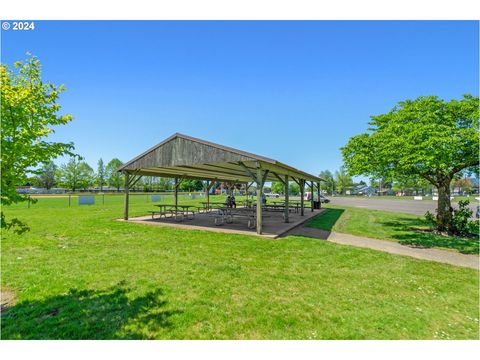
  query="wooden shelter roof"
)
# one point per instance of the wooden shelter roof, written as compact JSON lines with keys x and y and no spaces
{"x":188,"y":157}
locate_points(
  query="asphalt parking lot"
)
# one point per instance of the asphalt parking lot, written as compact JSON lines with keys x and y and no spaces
{"x":418,"y":207}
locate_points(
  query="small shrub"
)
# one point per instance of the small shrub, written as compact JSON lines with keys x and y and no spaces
{"x":474,"y":227}
{"x":460,"y":223}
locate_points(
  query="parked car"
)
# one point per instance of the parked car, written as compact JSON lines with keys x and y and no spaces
{"x":323,"y":199}
{"x":272,"y":195}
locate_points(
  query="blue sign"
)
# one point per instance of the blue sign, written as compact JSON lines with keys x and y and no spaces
{"x":86,"y":200}
{"x":155,"y":198}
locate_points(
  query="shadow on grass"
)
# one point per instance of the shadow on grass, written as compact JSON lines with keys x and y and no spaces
{"x":326,"y":220}
{"x":318,"y":227}
{"x":414,"y":232}
{"x":88,"y":314}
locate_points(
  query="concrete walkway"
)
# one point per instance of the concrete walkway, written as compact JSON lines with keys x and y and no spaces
{"x":442,"y":256}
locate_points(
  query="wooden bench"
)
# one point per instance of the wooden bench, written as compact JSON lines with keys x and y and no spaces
{"x":153,"y":212}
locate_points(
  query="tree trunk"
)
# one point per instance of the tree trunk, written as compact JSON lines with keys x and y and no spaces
{"x":444,"y":207}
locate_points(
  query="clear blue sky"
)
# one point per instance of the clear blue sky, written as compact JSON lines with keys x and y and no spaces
{"x":293,"y":91}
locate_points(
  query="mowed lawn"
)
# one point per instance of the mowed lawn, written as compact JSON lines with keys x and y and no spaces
{"x":79,"y":274}
{"x":406,"y":229}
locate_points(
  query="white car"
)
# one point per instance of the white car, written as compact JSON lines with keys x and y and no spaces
{"x":323,"y":199}
{"x":272,"y":195}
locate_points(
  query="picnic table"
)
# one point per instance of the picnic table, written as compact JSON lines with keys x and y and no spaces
{"x":174,"y":210}
{"x":217,"y":204}
{"x":227,"y":214}
{"x":289,"y":201}
{"x":295,"y":204}
{"x":207,"y":204}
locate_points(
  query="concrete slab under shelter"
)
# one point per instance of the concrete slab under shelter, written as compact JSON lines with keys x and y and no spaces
{"x":273,"y":223}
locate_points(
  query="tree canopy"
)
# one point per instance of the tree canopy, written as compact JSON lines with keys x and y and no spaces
{"x":101,"y":174}
{"x":76,"y":175}
{"x":343,"y":180}
{"x":114,"y":178}
{"x":427,"y":137}
{"x":293,"y":188}
{"x":329,"y":183}
{"x":47,"y":176}
{"x":191,"y":185}
{"x":278,"y":187}
{"x":29,"y":111}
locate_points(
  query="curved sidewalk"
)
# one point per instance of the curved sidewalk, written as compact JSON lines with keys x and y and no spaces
{"x":438,"y":255}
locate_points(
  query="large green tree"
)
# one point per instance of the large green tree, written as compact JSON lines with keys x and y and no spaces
{"x":114,"y":178}
{"x":29,"y":111}
{"x":278,"y":187}
{"x":293,"y":188}
{"x":427,"y":137}
{"x":343,"y":181}
{"x":101,"y":176}
{"x":191,"y":185}
{"x":329,"y":182}
{"x":165,"y":184}
{"x":46,"y":177}
{"x":76,"y":175}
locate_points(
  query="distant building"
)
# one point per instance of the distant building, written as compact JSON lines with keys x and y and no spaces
{"x":364,"y":190}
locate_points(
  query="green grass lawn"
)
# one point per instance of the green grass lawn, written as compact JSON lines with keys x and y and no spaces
{"x":389,"y":226}
{"x":79,"y":274}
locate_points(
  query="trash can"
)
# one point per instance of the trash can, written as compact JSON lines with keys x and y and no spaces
{"x":316,"y":204}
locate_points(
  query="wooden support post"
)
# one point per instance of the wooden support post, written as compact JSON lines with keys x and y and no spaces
{"x":286,"y":199}
{"x":318,"y":195}
{"x":209,"y":187}
{"x":176,"y":192}
{"x":302,"y":194}
{"x":127,"y":188}
{"x":259,"y":200}
{"x":208,"y":195}
{"x":312,"y":189}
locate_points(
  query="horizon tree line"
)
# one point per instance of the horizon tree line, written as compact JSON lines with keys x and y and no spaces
{"x":77,"y":174}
